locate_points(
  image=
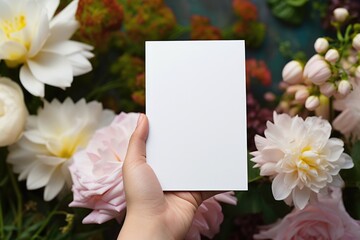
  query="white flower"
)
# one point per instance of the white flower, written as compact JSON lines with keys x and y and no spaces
{"x":292,"y":72}
{"x":31,"y":35}
{"x":356,"y":42}
{"x":13,"y":112}
{"x":348,"y":121}
{"x":300,"y":157}
{"x":321,"y":45}
{"x":341,"y":14}
{"x":43,"y":154}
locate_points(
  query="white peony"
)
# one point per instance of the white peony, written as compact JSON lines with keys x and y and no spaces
{"x":31,"y":36}
{"x":51,"y":138}
{"x":13,"y":112}
{"x":300,"y":157}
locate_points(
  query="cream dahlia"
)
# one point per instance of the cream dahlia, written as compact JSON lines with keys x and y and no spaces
{"x":300,"y":157}
{"x":31,"y":36}
{"x":51,"y":137}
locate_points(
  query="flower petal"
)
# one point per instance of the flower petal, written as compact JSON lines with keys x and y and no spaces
{"x":51,"y":6}
{"x":279,"y":188}
{"x":30,"y":83}
{"x":66,"y":15}
{"x":301,"y":197}
{"x":54,"y":186}
{"x":40,"y":34}
{"x":51,"y":69}
{"x":39,"y":176}
{"x":12,"y":51}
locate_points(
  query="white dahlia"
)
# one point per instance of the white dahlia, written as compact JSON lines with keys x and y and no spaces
{"x":51,"y":138}
{"x":300,"y":157}
{"x":31,"y":36}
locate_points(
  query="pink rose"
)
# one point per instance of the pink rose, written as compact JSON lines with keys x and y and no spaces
{"x":209,"y":216}
{"x":324,"y":219}
{"x":97,"y":171}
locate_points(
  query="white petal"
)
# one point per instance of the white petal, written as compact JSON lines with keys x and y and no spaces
{"x":12,"y":51}
{"x":51,"y":6}
{"x":30,"y":83}
{"x":279,"y":188}
{"x":34,"y":136}
{"x":301,"y":197}
{"x":5,"y":10}
{"x":80,"y":64}
{"x":39,"y":176}
{"x":66,"y":15}
{"x":51,"y":69}
{"x":40,"y":35}
{"x":51,"y":161}
{"x":54,"y":186}
{"x":348,"y":162}
{"x":62,"y":32}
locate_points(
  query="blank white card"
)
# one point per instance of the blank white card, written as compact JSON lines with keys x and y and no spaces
{"x":196,"y":106}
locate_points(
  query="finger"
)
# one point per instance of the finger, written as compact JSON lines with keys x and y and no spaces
{"x":136,"y":152}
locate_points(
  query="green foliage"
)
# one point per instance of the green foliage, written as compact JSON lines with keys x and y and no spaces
{"x":290,"y":11}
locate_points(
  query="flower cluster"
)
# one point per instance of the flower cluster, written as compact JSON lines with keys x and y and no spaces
{"x":298,"y":154}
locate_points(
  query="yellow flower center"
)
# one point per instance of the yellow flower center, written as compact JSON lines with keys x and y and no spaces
{"x":308,"y":163}
{"x":69,"y":145}
{"x":13,"y":26}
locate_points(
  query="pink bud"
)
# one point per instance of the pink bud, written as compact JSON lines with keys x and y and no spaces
{"x":309,"y":62}
{"x":357,"y":72}
{"x":321,"y":45}
{"x":302,"y":94}
{"x":328,"y":89}
{"x":292,"y":72}
{"x":312,"y":102}
{"x":332,"y":55}
{"x":344,"y":87}
{"x":269,"y":96}
{"x":319,"y":72}
{"x":341,"y":14}
{"x":356,"y":42}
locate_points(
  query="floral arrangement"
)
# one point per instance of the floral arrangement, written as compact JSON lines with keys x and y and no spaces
{"x":66,"y":118}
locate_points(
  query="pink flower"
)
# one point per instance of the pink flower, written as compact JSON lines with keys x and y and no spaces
{"x":325,"y":219}
{"x":97,"y":171}
{"x":209,"y":216}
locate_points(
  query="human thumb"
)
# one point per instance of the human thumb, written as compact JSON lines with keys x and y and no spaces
{"x":136,"y":152}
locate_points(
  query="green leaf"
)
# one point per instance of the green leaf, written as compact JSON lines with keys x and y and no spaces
{"x":297,"y":3}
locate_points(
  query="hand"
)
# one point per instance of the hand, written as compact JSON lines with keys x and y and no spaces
{"x":151,"y":213}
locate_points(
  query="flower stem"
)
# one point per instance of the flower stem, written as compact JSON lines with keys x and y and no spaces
{"x":15,"y":185}
{"x":2,"y":235}
{"x":53,"y":212}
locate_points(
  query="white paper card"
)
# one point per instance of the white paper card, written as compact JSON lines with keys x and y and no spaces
{"x":196,"y":106}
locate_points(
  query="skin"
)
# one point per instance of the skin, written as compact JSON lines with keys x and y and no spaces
{"x":150,"y":211}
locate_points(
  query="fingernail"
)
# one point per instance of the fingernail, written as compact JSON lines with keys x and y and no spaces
{"x":141,"y":117}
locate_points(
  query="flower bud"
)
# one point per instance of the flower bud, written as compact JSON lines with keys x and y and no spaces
{"x":344,"y":87}
{"x":308,"y":64}
{"x":302,"y":94}
{"x":292,"y":72}
{"x":328,"y":89}
{"x":332,"y":55}
{"x":357,"y":72}
{"x":269,"y":96}
{"x":341,"y":14}
{"x":321,"y":45}
{"x":319,"y":72}
{"x":312,"y":102}
{"x":356,"y":42}
{"x":13,"y":112}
